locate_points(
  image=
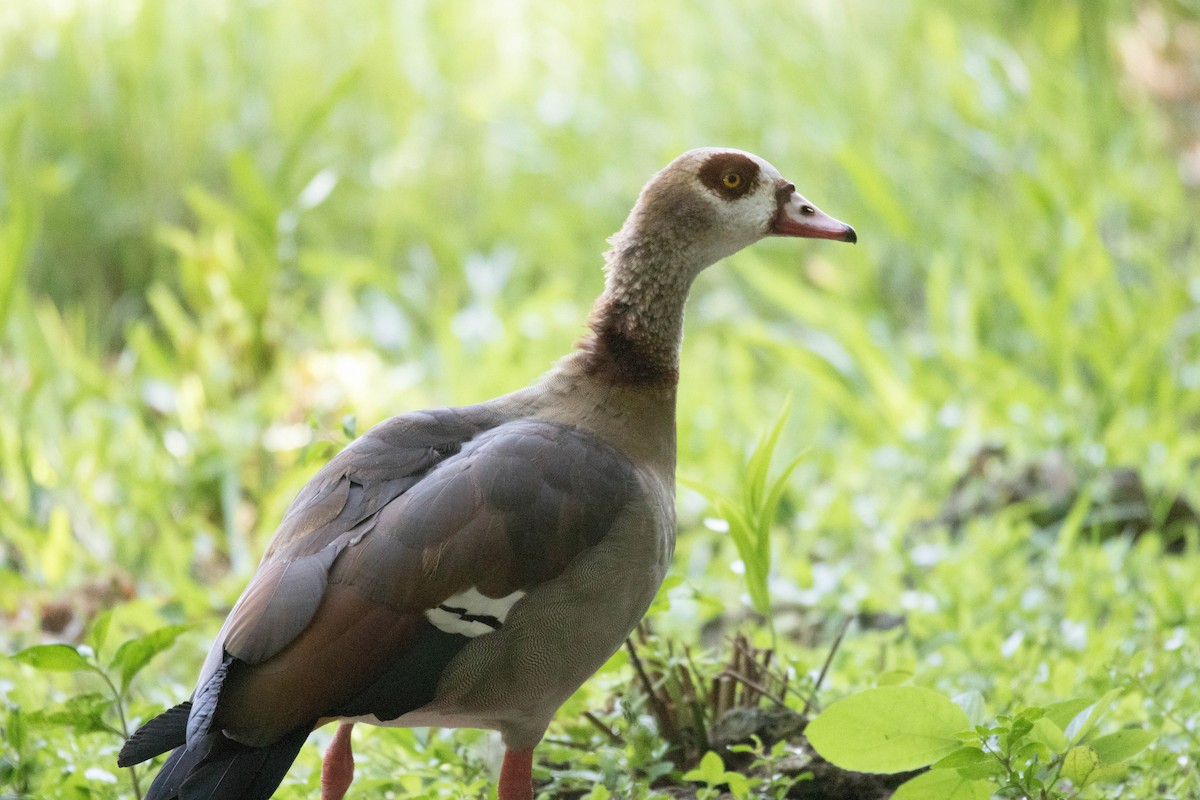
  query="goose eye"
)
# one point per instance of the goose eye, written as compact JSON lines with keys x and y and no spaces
{"x":732,"y":180}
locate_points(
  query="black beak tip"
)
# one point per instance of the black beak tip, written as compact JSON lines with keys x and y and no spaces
{"x":849,"y":235}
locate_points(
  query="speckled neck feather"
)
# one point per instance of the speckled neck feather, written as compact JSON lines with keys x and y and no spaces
{"x":637,"y":323}
{"x":680,"y":225}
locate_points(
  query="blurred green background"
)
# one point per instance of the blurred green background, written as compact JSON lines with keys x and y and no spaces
{"x":234,"y":233}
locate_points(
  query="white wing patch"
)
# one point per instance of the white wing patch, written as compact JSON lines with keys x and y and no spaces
{"x":472,"y":613}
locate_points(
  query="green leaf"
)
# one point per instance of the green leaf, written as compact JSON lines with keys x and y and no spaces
{"x":1031,"y":750}
{"x":99,"y":630}
{"x":963,"y":757}
{"x":739,"y":784}
{"x":710,"y":772}
{"x":1079,"y":764}
{"x":1049,"y":734}
{"x":83,"y":713}
{"x":1021,"y":726}
{"x":1116,"y":747}
{"x":1062,"y":713}
{"x":893,"y":677}
{"x":1031,"y":713}
{"x":990,"y":768}
{"x":941,"y":784}
{"x":1072,"y":524}
{"x":1107,"y":773}
{"x":973,"y":705}
{"x":752,"y":516}
{"x":1086,"y":721}
{"x":55,"y":658}
{"x":135,"y":654}
{"x":888,"y":729}
{"x":760,"y":459}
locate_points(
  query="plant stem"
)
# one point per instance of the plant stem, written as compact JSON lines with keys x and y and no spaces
{"x":758,"y":687}
{"x":666,"y":725}
{"x":118,"y":699}
{"x":612,"y":735}
{"x":837,"y":642}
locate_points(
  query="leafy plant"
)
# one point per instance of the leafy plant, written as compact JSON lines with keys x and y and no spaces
{"x":753,"y":513}
{"x":93,"y":712}
{"x":712,"y":773}
{"x":888,"y":729}
{"x":761,"y":778}
{"x":774,"y":783}
{"x":1046,"y":752}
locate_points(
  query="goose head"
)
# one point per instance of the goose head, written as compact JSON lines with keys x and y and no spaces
{"x":711,"y":202}
{"x":705,"y":205}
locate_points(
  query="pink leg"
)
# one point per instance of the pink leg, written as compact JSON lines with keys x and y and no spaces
{"x":516,"y":775}
{"x":337,"y":770}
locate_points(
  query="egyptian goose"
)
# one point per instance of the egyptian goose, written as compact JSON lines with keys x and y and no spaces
{"x":472,"y":567}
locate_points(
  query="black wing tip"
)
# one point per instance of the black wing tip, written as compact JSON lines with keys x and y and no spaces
{"x":222,"y":769}
{"x":162,"y":733}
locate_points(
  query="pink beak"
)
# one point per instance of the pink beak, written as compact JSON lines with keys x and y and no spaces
{"x":798,"y":217}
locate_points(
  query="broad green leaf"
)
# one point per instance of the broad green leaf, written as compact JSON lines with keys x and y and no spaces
{"x":989,"y":768}
{"x":1116,"y":747}
{"x":1021,"y":726}
{"x":135,"y":654}
{"x":893,"y":677}
{"x":973,"y":705}
{"x":739,"y":784}
{"x":1031,"y":713}
{"x":710,"y":772}
{"x":942,"y":784}
{"x":1107,"y":773}
{"x":54,"y":658}
{"x":1062,"y":713}
{"x":1049,"y":734}
{"x":1034,"y":749}
{"x":99,"y":630}
{"x":1085,"y":721}
{"x":888,"y":729}
{"x":962,"y":757}
{"x":1079,"y":764}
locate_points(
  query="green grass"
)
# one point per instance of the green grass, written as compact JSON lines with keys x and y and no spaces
{"x":225,"y":227}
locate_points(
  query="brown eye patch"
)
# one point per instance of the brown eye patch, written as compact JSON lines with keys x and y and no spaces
{"x":730,"y":175}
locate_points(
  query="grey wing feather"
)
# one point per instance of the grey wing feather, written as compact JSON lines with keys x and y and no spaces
{"x":333,"y":509}
{"x":285,"y":595}
{"x":463,"y":504}
{"x":507,"y":512}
